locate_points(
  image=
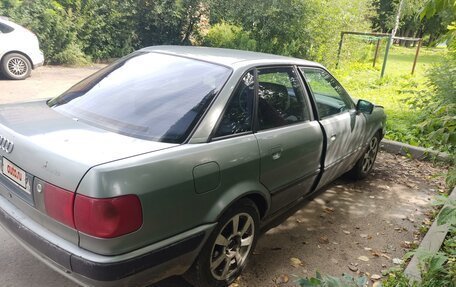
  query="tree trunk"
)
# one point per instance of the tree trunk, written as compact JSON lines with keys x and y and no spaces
{"x":398,"y":19}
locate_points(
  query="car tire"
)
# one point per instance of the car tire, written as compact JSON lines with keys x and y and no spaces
{"x":228,"y":248}
{"x":16,"y":66}
{"x":365,"y":164}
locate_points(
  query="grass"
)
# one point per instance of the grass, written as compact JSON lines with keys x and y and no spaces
{"x":396,"y":91}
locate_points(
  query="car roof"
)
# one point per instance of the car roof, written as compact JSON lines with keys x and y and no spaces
{"x":228,"y":57}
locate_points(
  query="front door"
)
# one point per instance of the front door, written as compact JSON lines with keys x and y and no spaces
{"x":342,"y":124}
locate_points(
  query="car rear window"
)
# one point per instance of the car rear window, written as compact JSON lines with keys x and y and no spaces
{"x":146,"y":95}
{"x":5,"y":28}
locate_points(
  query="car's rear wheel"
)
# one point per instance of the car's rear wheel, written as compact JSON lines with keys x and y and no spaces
{"x":365,"y":164}
{"x":16,"y":66}
{"x":228,"y":248}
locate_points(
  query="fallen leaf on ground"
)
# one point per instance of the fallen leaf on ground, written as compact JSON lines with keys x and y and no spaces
{"x":375,"y":277}
{"x":323,"y":240}
{"x":363,"y":258}
{"x":346,"y":232}
{"x":282,"y":279}
{"x":376,"y":254}
{"x":406,"y":244}
{"x":329,"y":210}
{"x":295,"y":262}
{"x":397,"y":261}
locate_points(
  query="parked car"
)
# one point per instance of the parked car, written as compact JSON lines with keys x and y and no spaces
{"x":19,"y":51}
{"x":170,"y":160}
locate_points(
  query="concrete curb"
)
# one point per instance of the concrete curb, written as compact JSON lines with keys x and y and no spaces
{"x":416,"y":152}
{"x":431,"y":242}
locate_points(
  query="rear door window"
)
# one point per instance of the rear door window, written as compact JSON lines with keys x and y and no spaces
{"x":281,"y":99}
{"x":238,"y":115}
{"x":146,"y":95}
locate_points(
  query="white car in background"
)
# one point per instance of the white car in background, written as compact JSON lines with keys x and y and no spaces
{"x":19,"y":50}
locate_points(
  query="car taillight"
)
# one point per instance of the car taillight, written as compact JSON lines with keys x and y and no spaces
{"x":58,"y":203}
{"x":107,"y":217}
{"x":99,"y":217}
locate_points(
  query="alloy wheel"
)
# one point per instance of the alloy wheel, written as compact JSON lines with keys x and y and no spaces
{"x":17,"y":66}
{"x":370,"y":155}
{"x":232,"y":246}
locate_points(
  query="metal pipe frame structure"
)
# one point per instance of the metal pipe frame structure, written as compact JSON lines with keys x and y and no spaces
{"x":388,"y":46}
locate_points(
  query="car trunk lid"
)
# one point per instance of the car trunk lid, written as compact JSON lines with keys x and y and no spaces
{"x":59,"y":149}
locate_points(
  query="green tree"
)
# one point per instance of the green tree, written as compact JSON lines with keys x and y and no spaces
{"x":307,"y":29}
{"x":410,"y":24}
{"x":107,"y":28}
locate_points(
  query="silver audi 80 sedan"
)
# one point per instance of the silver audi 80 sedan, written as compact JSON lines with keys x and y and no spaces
{"x":172,"y":159}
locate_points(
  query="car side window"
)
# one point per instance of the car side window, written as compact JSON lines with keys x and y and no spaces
{"x":330,"y":97}
{"x":281,"y":98}
{"x":239,"y":112}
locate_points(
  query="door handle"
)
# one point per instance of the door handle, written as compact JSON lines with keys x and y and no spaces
{"x":276,"y":155}
{"x":333,"y":137}
{"x":276,"y":152}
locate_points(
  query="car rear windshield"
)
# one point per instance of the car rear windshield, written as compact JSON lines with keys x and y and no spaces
{"x":146,"y":95}
{"x":5,"y":29}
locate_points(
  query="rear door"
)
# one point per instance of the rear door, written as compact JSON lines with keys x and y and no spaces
{"x":343,"y":126}
{"x":289,"y":139}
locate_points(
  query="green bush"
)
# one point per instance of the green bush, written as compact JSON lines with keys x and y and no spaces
{"x":438,"y":124}
{"x":226,"y":35}
{"x":49,"y":20}
{"x":72,"y":55}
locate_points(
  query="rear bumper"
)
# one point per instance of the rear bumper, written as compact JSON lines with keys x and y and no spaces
{"x":37,"y":58}
{"x":140,"y":267}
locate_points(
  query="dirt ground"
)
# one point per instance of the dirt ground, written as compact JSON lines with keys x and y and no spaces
{"x":354,"y":227}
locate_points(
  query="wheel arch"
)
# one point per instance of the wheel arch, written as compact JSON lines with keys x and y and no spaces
{"x":259,"y":196}
{"x":260,"y":202}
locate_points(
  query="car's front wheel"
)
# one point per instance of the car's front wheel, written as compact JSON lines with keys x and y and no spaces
{"x":16,"y":66}
{"x":228,"y":248}
{"x":365,"y":164}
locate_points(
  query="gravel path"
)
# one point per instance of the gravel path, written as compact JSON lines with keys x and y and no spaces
{"x":350,"y":227}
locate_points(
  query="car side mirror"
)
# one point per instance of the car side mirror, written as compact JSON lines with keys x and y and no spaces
{"x":364,"y":107}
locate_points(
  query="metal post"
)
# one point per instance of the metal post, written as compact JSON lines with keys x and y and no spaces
{"x":416,"y":55}
{"x":340,"y":48}
{"x":376,"y":52}
{"x":388,"y":46}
